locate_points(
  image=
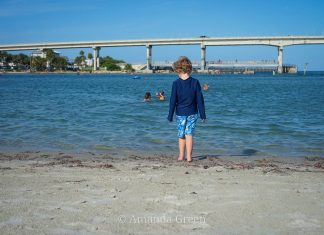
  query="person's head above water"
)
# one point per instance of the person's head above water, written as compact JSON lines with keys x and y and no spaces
{"x":147,"y":96}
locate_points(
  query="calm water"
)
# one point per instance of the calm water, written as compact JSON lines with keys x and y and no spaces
{"x":258,"y":114}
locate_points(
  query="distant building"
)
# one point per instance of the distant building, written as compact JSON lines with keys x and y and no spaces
{"x":122,"y":65}
{"x":89,"y":62}
{"x":3,"y":65}
{"x":42,"y":53}
{"x":139,"y":67}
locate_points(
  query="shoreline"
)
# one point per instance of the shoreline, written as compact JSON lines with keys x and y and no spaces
{"x":143,"y":72}
{"x":62,"y":193}
{"x":68,"y":72}
{"x":307,"y":163}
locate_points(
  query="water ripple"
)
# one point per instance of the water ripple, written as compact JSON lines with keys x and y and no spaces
{"x":247,"y":115}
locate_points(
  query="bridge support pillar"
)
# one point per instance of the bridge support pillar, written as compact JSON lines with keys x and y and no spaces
{"x":96,"y":62}
{"x":280,"y":67}
{"x":203,"y":58}
{"x":149,"y":58}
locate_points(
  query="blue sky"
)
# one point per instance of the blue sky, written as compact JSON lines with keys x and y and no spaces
{"x":53,"y":21}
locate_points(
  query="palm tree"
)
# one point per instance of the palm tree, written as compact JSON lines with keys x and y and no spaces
{"x":50,"y":56}
{"x":82,"y":57}
{"x":38,"y":63}
{"x":81,"y":53}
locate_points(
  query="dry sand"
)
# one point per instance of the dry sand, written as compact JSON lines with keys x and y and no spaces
{"x":57,"y":193}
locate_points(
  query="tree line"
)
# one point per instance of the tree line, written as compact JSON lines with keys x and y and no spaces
{"x":54,"y":62}
{"x":51,"y":62}
{"x":108,"y":63}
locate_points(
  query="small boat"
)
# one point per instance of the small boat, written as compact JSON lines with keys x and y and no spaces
{"x":136,"y":77}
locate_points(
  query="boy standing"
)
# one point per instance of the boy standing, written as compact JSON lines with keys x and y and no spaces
{"x":186,"y":98}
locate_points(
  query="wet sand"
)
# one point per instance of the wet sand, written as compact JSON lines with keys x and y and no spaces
{"x":60,"y":193}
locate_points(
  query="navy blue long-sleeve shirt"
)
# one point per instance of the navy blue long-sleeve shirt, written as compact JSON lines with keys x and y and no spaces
{"x":186,"y":98}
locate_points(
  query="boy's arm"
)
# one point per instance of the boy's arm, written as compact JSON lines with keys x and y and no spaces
{"x":173,"y":100}
{"x":200,"y":102}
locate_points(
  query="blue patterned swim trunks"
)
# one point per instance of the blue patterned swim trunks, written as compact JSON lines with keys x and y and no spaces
{"x":186,"y":124}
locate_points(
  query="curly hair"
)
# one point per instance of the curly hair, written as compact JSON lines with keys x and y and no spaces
{"x":182,"y":65}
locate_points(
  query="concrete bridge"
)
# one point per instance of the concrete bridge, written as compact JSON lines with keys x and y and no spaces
{"x":276,"y":41}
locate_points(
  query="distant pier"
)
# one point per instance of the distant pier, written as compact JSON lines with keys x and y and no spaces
{"x":228,"y":66}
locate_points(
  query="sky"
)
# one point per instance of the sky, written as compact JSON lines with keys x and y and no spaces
{"x":90,"y":20}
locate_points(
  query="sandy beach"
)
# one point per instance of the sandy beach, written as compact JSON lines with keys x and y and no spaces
{"x":60,"y":193}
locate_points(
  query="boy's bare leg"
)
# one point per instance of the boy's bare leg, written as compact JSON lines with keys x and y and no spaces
{"x":189,"y":143}
{"x":182,"y":146}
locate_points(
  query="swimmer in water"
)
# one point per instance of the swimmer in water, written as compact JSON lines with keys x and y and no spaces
{"x":161,"y":95}
{"x":205,"y":87}
{"x":147,"y":97}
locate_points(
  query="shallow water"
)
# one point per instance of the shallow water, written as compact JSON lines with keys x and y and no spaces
{"x":247,"y":114}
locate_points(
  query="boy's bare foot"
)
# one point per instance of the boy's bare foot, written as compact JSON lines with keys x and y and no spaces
{"x":180,"y":158}
{"x":189,"y":159}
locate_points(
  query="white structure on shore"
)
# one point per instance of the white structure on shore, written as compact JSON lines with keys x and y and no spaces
{"x":42,"y":53}
{"x":139,"y":67}
{"x":89,"y":62}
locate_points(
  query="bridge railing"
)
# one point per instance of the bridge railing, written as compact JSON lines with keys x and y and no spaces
{"x":221,"y":63}
{"x":250,"y":62}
